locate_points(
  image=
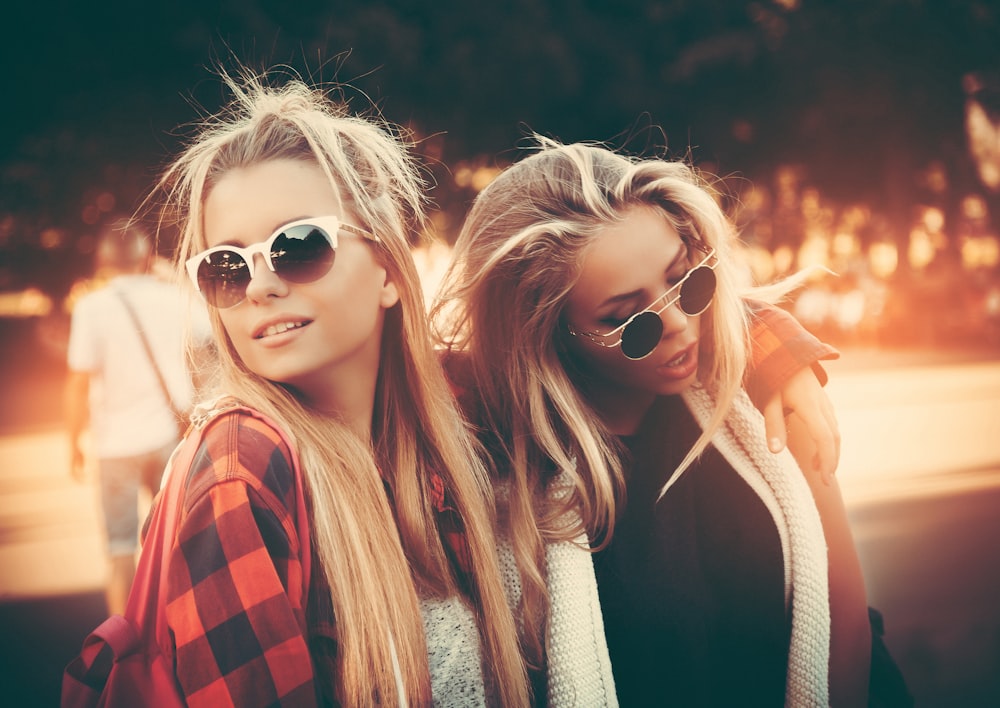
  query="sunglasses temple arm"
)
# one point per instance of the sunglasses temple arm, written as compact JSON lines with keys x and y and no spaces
{"x":699,"y":245}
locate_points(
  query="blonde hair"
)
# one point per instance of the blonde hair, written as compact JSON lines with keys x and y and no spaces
{"x":365,"y":546}
{"x":517,"y":258}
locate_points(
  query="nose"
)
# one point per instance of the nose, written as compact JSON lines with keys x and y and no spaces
{"x":265,"y":282}
{"x":674,"y":320}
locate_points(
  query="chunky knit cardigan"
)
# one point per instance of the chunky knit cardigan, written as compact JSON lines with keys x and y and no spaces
{"x":579,"y":667}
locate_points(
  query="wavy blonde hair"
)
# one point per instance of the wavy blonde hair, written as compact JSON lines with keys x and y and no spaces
{"x":416,"y":428}
{"x":517,"y":258}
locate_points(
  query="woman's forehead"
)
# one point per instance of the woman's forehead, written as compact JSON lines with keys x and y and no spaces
{"x":644,"y":240}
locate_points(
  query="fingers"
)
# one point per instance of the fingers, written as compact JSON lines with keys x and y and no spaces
{"x":825,"y":439}
{"x":830,"y":414}
{"x":774,"y":425}
{"x":811,"y":432}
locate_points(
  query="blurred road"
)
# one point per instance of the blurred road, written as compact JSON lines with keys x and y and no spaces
{"x":920,"y":474}
{"x":920,"y":471}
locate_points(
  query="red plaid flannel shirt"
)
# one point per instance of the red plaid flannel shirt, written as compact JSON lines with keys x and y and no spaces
{"x":781,"y":347}
{"x":234,"y":599}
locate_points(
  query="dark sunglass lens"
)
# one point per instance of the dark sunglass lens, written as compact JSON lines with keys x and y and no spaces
{"x":642,"y":335}
{"x":697,"y":291}
{"x":302,"y":254}
{"x":223,"y":278}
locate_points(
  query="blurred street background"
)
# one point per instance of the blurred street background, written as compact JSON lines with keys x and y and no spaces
{"x":920,"y":472}
{"x":860,"y":136}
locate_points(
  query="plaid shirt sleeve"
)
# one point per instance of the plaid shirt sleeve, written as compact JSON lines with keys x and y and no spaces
{"x":452,"y":530}
{"x":780,"y":348}
{"x":235,"y":593}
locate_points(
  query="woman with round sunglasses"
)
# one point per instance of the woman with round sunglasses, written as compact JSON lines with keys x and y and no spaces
{"x":601,"y":339}
{"x":295,"y":220}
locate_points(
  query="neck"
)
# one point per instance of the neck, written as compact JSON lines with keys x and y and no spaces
{"x":621,"y":409}
{"x":352,"y":401}
{"x":345,"y":390}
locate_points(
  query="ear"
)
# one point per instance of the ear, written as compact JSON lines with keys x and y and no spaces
{"x":389,"y":294}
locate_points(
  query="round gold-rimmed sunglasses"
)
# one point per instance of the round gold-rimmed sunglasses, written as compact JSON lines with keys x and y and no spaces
{"x":640,"y":333}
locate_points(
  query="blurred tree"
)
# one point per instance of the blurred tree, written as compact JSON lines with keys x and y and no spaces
{"x":862,"y":95}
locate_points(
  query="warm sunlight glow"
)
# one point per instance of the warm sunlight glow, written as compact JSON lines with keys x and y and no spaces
{"x":31,"y":302}
{"x":981,"y":252}
{"x":884,"y":258}
{"x":921,"y":251}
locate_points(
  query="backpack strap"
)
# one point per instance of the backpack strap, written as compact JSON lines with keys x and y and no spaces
{"x":129,"y":659}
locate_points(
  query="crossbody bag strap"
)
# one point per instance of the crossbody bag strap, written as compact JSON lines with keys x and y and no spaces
{"x":149,"y":355}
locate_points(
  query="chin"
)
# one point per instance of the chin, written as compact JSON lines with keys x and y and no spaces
{"x":676,"y":386}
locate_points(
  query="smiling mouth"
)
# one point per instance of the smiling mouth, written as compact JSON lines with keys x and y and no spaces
{"x":281,"y":328}
{"x":680,"y":359}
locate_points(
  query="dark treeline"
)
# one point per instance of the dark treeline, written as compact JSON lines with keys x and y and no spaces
{"x":864,"y":97}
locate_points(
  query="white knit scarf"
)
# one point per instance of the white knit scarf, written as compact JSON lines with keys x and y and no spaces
{"x":579,"y":667}
{"x":780,"y":484}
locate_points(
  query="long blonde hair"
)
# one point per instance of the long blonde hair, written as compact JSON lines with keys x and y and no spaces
{"x":517,"y":258}
{"x":366,"y":547}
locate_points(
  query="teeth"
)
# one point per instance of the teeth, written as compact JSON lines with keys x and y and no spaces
{"x":279,"y":328}
{"x":677,"y":361}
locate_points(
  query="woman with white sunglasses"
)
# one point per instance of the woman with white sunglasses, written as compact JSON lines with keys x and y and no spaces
{"x":295,"y":221}
{"x":601,"y":343}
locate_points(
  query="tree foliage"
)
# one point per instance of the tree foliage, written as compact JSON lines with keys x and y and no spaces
{"x":863,"y":94}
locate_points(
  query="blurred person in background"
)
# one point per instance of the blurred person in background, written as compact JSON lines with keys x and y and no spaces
{"x":129,"y":385}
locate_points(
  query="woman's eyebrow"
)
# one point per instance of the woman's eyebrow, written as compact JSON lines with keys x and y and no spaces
{"x":276,"y":227}
{"x":681,"y":254}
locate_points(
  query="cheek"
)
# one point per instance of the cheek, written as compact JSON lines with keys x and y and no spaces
{"x":347,"y":298}
{"x":618,"y":368}
{"x":352,"y":283}
{"x":597,"y":362}
{"x":228,"y":329}
{"x":699,"y":326}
